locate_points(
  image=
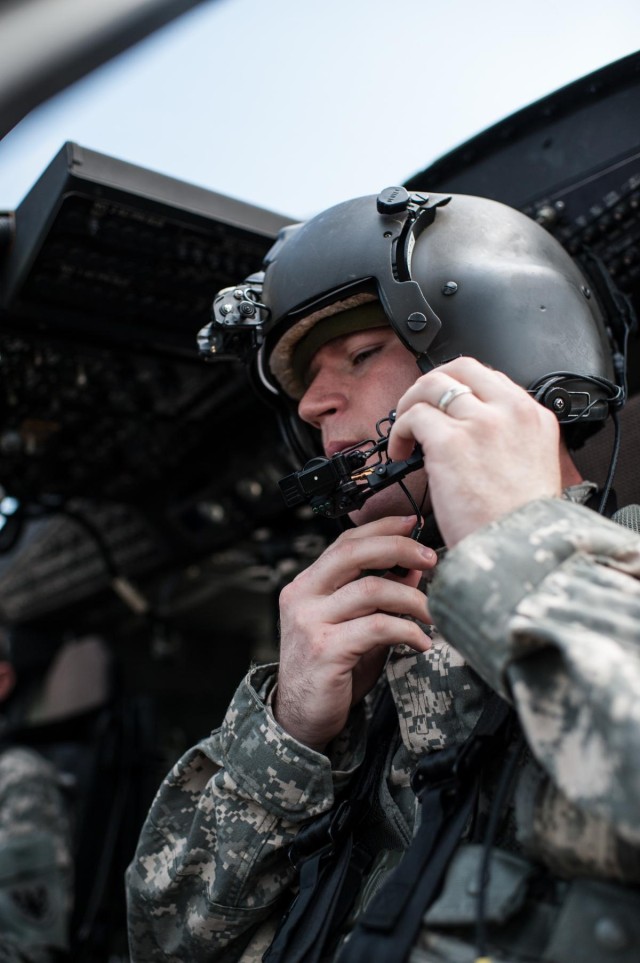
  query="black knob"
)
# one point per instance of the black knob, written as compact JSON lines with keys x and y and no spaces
{"x":392,"y":200}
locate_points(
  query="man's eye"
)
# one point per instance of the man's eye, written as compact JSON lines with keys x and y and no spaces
{"x":363,"y":355}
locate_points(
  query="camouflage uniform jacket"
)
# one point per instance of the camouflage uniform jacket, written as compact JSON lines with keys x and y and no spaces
{"x":543,"y":606}
{"x":35,"y":860}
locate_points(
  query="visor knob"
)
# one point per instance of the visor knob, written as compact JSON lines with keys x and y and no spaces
{"x":392,"y":200}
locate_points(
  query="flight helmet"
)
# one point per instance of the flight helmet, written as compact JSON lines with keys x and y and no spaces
{"x":452,"y":274}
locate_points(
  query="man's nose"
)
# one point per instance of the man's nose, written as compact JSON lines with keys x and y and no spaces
{"x":324,"y":396}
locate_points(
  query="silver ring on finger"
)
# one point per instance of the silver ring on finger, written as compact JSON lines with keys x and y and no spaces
{"x":451,"y":394}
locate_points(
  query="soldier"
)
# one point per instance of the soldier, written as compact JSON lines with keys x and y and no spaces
{"x":441,"y":780}
{"x":35,"y":845}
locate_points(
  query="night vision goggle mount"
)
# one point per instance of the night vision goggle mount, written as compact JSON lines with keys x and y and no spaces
{"x":236,"y":327}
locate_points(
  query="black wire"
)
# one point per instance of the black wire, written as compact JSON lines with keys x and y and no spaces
{"x":620,"y":361}
{"x":620,"y":365}
{"x":417,"y":529}
{"x":96,"y":535}
{"x":615,"y":452}
{"x":424,"y":496}
{"x":106,"y":555}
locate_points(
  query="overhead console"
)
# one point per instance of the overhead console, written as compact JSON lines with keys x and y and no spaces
{"x":107,"y":413}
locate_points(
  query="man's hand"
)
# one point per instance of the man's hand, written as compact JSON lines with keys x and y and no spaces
{"x":492,"y":450}
{"x":337,"y":626}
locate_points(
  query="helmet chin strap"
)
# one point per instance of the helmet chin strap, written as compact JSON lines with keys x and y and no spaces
{"x":424,"y":363}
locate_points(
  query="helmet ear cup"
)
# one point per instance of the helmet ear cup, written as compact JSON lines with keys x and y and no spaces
{"x":572,"y":398}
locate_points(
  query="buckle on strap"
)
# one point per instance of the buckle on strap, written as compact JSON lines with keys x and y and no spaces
{"x":322,"y":836}
{"x":438,"y":771}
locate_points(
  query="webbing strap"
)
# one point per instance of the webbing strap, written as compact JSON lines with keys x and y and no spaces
{"x":331,"y":866}
{"x":315,"y":899}
{"x":447,"y":785}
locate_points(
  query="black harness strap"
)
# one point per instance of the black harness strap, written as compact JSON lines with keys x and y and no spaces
{"x":330,"y":859}
{"x":446,"y":784}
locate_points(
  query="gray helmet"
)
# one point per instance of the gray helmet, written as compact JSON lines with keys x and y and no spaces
{"x":454,"y":274}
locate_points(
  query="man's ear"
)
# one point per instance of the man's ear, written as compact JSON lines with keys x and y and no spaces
{"x":7,"y":680}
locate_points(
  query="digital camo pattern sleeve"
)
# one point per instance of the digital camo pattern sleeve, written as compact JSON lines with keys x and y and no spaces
{"x":36,"y":880}
{"x":545,"y":605}
{"x":211,"y":864}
